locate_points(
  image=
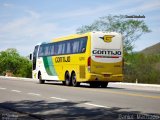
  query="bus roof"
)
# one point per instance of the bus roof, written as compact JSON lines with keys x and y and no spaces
{"x":72,"y":36}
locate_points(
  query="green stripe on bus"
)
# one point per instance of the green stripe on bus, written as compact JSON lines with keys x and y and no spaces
{"x":49,"y":66}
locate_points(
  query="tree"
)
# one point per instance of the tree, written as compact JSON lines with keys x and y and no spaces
{"x":131,"y":29}
{"x":10,"y":60}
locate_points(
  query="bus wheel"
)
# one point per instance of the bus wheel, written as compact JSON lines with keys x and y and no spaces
{"x":104,"y":84}
{"x":73,"y":79}
{"x":67,"y":79}
{"x":40,"y":79}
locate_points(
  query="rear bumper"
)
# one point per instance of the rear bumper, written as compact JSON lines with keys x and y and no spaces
{"x":109,"y":78}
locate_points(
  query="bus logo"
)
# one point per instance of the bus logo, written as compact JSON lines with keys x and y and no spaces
{"x":108,"y":38}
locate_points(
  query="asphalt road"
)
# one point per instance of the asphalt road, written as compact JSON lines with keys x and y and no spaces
{"x":21,"y":99}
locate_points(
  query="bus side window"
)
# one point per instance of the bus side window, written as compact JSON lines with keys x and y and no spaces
{"x":49,"y":49}
{"x":64,"y":47}
{"x":52,"y":49}
{"x":55,"y":48}
{"x":68,"y":47}
{"x":82,"y":48}
{"x":75,"y":46}
{"x":46,"y":50}
{"x":59,"y":48}
{"x":84,"y":42}
{"x":41,"y":51}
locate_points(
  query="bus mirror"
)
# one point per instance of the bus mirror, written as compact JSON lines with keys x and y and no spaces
{"x":30,"y":56}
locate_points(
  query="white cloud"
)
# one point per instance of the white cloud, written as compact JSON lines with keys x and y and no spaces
{"x":119,"y":7}
{"x":12,"y":25}
{"x":8,"y":5}
{"x":141,"y":8}
{"x":33,"y":13}
{"x":150,"y":6}
{"x":92,"y":10}
{"x":78,"y":13}
{"x":24,"y":33}
{"x":26,"y":28}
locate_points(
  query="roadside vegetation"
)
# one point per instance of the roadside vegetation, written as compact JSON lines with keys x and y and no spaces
{"x":142,"y":68}
{"x":12,"y":64}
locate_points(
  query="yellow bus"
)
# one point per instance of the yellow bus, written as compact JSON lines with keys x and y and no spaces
{"x":94,"y":57}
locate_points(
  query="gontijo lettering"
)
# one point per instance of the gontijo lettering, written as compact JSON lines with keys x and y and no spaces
{"x":106,"y":52}
{"x":62,"y":59}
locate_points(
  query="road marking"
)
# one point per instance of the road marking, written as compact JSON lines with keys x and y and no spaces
{"x":35,"y":94}
{"x":136,"y":95}
{"x":121,"y":93}
{"x":95,"y":105}
{"x":3,"y":88}
{"x":59,"y":98}
{"x":16,"y":91}
{"x":133,"y":94}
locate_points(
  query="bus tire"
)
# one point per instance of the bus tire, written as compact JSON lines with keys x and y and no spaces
{"x":74,"y":80}
{"x":67,"y":79}
{"x":104,"y":84}
{"x":40,"y":79}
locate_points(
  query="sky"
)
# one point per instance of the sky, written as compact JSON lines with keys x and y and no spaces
{"x":25,"y":23}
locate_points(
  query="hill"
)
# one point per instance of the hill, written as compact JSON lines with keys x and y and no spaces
{"x":154,"y":49}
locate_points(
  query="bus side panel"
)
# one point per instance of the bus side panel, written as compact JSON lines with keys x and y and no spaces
{"x":73,"y":63}
{"x":70,"y":63}
{"x":49,"y":66}
{"x":46,"y":68}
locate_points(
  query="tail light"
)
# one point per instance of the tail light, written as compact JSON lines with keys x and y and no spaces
{"x":89,"y":64}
